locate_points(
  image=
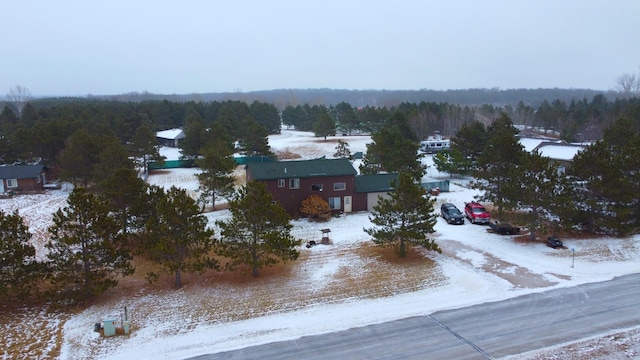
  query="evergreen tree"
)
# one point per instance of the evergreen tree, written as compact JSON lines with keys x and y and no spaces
{"x":79,"y":157}
{"x":145,"y":148}
{"x":324,"y":126}
{"x":470,"y":141}
{"x":452,"y":161}
{"x":258,"y":234}
{"x":606,"y":188}
{"x":216,"y":166}
{"x":346,"y":117}
{"x":177,"y":237}
{"x":18,"y":266}
{"x":391,"y":151}
{"x":500,"y":165}
{"x":541,"y":191}
{"x":405,"y":218}
{"x":124,"y":190}
{"x":84,"y":259}
{"x":266,"y":115}
{"x":342,"y":150}
{"x":255,"y":140}
{"x":196,"y":136}
{"x":114,"y":156}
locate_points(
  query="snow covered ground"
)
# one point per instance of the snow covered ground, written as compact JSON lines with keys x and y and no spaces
{"x":476,"y":266}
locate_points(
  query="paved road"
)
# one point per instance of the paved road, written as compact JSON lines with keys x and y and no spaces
{"x":484,"y":331}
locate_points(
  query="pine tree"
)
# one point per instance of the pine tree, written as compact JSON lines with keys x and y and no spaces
{"x":18,"y":266}
{"x":124,"y":191}
{"x":84,"y":259}
{"x":500,"y":165}
{"x":145,"y":148}
{"x":216,"y":166}
{"x":606,"y":184}
{"x":406,"y":217}
{"x":324,"y":126}
{"x":452,"y":161}
{"x":541,"y":189}
{"x":259,"y":234}
{"x":177,"y":237}
{"x":342,"y":150}
{"x":392,"y":151}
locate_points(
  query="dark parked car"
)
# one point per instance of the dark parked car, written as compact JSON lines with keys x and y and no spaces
{"x":503,"y":228}
{"x":451,"y":214}
{"x":476,"y":213}
{"x":554,"y":242}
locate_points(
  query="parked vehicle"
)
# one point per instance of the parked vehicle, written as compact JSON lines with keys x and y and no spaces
{"x":476,"y":213}
{"x":503,"y":228}
{"x":451,"y":214}
{"x":554,"y":242}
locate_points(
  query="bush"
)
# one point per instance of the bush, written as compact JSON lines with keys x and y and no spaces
{"x":315,"y":207}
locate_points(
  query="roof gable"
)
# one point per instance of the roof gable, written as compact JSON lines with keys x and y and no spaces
{"x":301,"y":169}
{"x":171,"y":134}
{"x":20,"y":171}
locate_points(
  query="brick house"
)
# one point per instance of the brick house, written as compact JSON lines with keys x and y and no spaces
{"x":290,"y":182}
{"x":22,"y":178}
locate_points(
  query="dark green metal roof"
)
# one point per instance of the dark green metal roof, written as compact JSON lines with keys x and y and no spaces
{"x":375,"y":182}
{"x":301,"y":169}
{"x":20,"y":171}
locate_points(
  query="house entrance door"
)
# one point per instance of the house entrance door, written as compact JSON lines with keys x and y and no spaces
{"x":1,"y":185}
{"x":347,"y":204}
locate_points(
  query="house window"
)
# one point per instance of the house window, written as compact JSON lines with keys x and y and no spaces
{"x":294,"y":183}
{"x":280,"y":182}
{"x":316,"y":187}
{"x":12,"y":183}
{"x":339,"y":186}
{"x":334,"y":203}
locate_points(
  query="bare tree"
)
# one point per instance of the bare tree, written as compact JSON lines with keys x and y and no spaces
{"x":18,"y":97}
{"x":628,"y":84}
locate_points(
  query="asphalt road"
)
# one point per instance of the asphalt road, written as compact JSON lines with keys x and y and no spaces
{"x":485,"y":331}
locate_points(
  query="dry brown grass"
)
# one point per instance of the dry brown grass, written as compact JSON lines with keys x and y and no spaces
{"x":221,"y":296}
{"x":287,"y":154}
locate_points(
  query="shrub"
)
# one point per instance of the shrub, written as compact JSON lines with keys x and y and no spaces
{"x":315,"y":207}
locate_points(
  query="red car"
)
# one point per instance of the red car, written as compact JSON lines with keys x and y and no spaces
{"x":476,"y":213}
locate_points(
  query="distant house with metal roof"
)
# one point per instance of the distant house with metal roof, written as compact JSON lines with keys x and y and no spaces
{"x":559,"y":151}
{"x":171,"y":137}
{"x":20,"y":178}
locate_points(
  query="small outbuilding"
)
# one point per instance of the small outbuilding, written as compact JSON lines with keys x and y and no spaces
{"x":170,"y":138}
{"x":19,"y":178}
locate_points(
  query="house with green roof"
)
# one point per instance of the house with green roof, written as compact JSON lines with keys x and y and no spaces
{"x":290,"y":182}
{"x":334,"y":180}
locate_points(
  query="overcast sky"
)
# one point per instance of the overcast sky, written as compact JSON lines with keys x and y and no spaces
{"x":67,"y":47}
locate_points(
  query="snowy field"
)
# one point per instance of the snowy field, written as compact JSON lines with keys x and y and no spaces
{"x":318,"y":294}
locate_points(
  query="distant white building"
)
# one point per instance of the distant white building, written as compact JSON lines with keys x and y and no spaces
{"x":170,"y":137}
{"x":434,"y":144}
{"x":558,"y":151}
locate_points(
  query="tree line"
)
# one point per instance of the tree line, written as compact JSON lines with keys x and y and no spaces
{"x":577,"y":121}
{"x":598,"y":193}
{"x":108,"y":219}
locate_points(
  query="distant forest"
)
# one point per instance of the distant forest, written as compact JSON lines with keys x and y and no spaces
{"x":37,"y":129}
{"x":387,"y":98}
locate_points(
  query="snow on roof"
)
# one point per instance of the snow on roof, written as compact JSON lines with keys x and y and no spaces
{"x":171,"y":134}
{"x":529,"y":143}
{"x":560,"y":151}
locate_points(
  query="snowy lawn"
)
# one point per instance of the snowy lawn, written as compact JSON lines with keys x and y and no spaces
{"x":330,"y":287}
